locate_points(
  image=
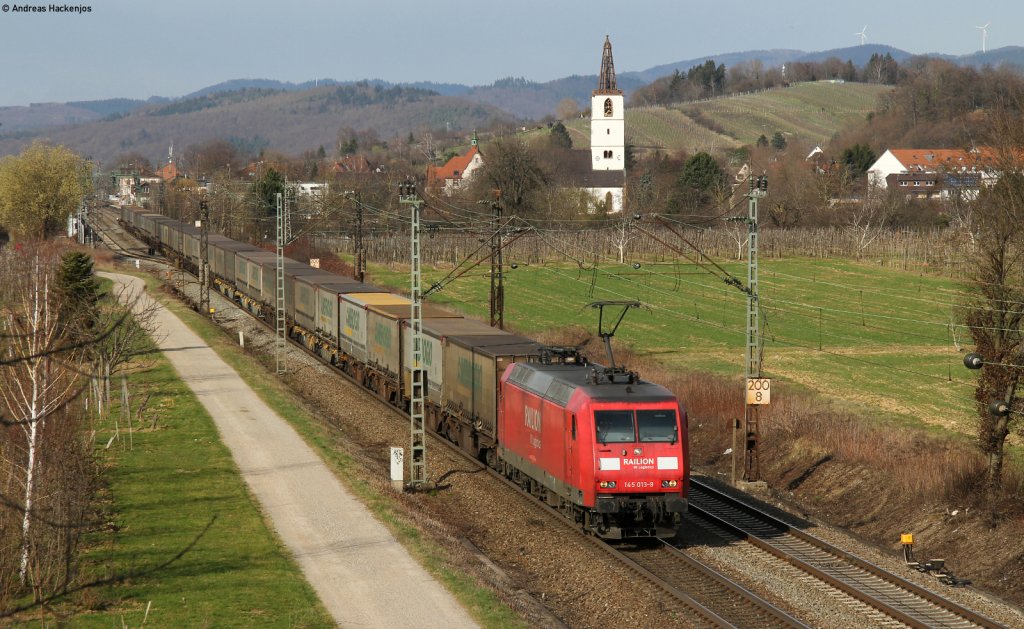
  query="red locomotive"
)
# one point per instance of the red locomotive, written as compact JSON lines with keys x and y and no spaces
{"x":605,"y":447}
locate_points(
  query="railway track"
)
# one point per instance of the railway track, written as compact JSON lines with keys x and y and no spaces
{"x":692,"y":590}
{"x":105,"y":222}
{"x":901,"y":600}
{"x":736,"y":605}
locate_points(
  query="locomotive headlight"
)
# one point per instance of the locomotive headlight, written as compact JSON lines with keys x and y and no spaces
{"x":669,"y":483}
{"x":606,"y":484}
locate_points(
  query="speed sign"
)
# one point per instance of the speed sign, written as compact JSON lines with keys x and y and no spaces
{"x":759,"y":391}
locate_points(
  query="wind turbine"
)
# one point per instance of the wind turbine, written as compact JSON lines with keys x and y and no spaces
{"x":863,"y":34}
{"x":984,"y":34}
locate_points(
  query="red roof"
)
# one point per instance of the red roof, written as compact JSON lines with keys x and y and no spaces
{"x":944,"y":159}
{"x":351,"y":164}
{"x":454,"y":169}
{"x":169,"y":172}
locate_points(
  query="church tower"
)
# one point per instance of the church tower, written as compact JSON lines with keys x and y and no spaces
{"x":607,"y":118}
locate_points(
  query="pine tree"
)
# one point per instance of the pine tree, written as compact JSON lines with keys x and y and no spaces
{"x":79,"y":291}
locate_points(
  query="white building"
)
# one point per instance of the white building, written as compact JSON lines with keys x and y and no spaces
{"x":934,"y":173}
{"x":310,"y":189}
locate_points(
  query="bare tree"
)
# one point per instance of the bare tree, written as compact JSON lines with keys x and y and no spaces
{"x":55,"y":337}
{"x":33,"y":390}
{"x":621,"y":234}
{"x":995,"y":313}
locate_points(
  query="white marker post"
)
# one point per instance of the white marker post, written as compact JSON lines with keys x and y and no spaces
{"x":397,"y":468}
{"x":241,"y":339}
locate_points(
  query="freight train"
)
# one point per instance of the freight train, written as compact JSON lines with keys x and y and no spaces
{"x":604,"y":447}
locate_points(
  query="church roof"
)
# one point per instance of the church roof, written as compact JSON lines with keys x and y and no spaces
{"x":577,"y":170}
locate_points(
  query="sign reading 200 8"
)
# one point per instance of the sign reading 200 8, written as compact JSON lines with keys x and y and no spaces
{"x":759,"y":391}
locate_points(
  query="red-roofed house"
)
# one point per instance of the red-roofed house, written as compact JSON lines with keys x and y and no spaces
{"x":169,"y":172}
{"x":457,"y":171}
{"x":351,"y":164}
{"x":934,"y":173}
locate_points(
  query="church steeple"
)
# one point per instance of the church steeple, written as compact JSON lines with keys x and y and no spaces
{"x":607,"y":118}
{"x":606,"y":80}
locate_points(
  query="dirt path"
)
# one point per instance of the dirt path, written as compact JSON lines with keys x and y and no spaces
{"x":362,"y":575}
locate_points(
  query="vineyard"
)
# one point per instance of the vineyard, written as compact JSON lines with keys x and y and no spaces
{"x":807,"y":113}
{"x":810,"y":113}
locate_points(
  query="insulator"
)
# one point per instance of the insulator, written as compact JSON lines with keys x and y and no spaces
{"x":973,"y":361}
{"x":999,"y":409}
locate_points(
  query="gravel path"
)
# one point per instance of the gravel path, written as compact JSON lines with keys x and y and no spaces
{"x":361,"y":573}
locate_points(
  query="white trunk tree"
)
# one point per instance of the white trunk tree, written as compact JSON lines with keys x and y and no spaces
{"x":37,"y":379}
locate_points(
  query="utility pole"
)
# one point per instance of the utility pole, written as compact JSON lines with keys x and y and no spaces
{"x":204,"y":257}
{"x":756,"y":392}
{"x":497,"y":301}
{"x":417,"y":433}
{"x":280,"y":341}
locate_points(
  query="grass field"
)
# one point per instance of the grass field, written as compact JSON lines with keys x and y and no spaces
{"x":877,"y":339}
{"x":175,"y":489}
{"x":807,"y":113}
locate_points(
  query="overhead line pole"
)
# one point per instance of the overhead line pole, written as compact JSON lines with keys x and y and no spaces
{"x":360,"y":254}
{"x":280,"y":340}
{"x":497,"y":301}
{"x":751,"y":454}
{"x":204,"y":257}
{"x":417,"y":403}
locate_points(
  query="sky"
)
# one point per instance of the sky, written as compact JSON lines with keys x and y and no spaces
{"x":143,"y":48}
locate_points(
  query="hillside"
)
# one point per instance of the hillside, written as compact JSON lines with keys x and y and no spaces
{"x":527,"y":99}
{"x":516,"y":97}
{"x":806,"y":113}
{"x":288,"y":121}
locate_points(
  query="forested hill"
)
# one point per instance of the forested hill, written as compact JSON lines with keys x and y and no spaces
{"x":256,"y":118}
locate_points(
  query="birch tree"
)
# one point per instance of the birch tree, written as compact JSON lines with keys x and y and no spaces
{"x":33,"y":389}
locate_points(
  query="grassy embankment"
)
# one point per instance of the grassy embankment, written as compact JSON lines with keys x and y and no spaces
{"x":878,"y":339}
{"x":482,"y":604}
{"x":173,"y":488}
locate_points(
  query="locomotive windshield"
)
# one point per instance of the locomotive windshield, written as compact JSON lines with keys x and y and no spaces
{"x":657,"y":425}
{"x":625,"y":427}
{"x":614,"y":426}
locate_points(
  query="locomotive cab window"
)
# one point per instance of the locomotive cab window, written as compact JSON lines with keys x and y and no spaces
{"x":614,"y":426}
{"x":659,"y":425}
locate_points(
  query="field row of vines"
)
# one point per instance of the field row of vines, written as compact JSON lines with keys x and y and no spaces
{"x":944,"y":252}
